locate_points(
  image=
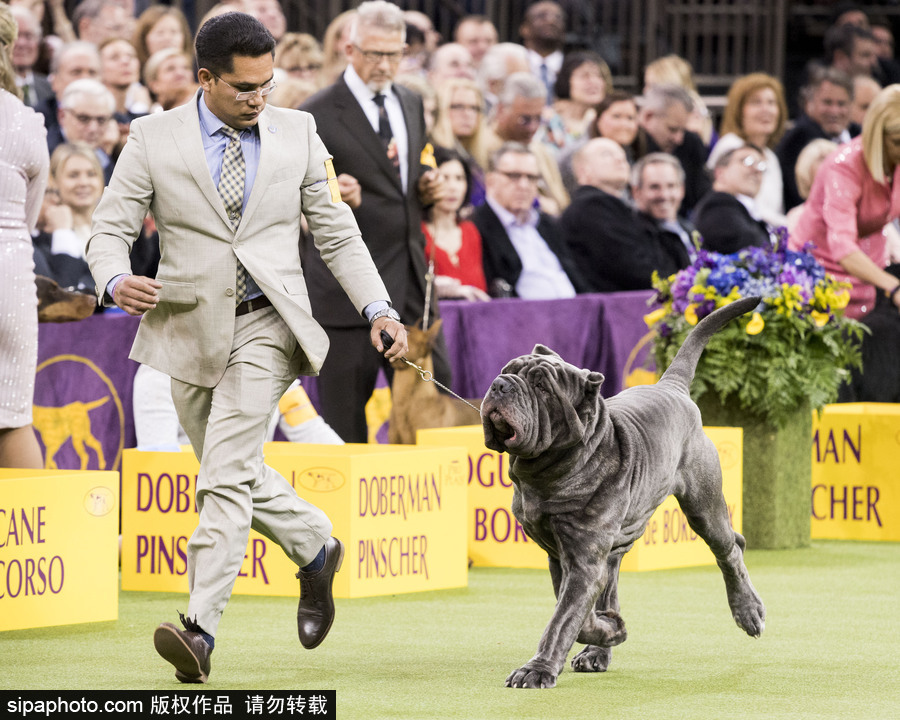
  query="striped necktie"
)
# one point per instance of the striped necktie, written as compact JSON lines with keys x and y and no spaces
{"x":231,"y":190}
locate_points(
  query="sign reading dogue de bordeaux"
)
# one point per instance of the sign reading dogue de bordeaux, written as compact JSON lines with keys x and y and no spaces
{"x":399,"y":510}
{"x":497,"y":540}
{"x":855,"y":476}
{"x":59,"y":532}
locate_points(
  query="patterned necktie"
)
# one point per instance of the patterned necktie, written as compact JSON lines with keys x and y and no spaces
{"x":384,"y":132}
{"x":231,"y":190}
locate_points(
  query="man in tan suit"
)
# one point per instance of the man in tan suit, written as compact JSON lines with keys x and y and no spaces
{"x":228,"y":315}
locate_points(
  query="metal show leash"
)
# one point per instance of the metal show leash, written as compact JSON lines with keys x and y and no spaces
{"x":426,"y":375}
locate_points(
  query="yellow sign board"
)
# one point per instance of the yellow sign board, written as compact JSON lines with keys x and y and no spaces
{"x":59,"y":547}
{"x":855,"y":476}
{"x":398,"y":509}
{"x":497,"y":540}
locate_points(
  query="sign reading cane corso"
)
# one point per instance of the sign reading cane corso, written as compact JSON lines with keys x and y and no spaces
{"x":588,"y":475}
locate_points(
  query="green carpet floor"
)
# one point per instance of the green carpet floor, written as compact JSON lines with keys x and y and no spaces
{"x":831,"y":648}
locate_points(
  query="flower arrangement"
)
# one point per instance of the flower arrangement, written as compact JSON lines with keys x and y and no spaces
{"x":795,"y":349}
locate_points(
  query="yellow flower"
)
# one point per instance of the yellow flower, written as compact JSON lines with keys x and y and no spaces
{"x":654,"y":317}
{"x":756,"y":324}
{"x":690,"y":314}
{"x":819,"y":318}
{"x":841,"y":299}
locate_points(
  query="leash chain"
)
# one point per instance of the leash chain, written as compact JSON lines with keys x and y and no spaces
{"x":428,"y":376}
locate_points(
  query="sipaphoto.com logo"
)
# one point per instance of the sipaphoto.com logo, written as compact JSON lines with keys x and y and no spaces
{"x":78,"y":415}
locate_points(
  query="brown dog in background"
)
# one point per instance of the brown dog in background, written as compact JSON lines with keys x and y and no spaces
{"x":416,"y":403}
{"x":55,"y":304}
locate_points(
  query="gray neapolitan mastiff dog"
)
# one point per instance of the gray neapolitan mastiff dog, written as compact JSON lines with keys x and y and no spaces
{"x":588,"y":475}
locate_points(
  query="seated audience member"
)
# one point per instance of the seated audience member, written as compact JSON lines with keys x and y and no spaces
{"x":270,"y":14}
{"x":614,"y":248}
{"x":543,"y":33}
{"x":447,"y":62}
{"x":416,"y":56}
{"x":851,"y":49}
{"x":756,"y":114}
{"x":170,"y":78}
{"x":292,"y":93}
{"x":120,"y":73}
{"x":657,"y":187}
{"x":335,"y":39}
{"x":501,"y":61}
{"x":460,"y":125}
{"x":451,"y":243}
{"x":85,"y":115}
{"x":581,"y":84}
{"x":477,"y":34}
{"x":727,"y":218}
{"x":865,"y":89}
{"x":616,"y":118}
{"x":73,"y":61}
{"x":301,"y":57}
{"x":675,"y":70}
{"x":77,"y":184}
{"x":808,"y":163}
{"x":523,"y":253}
{"x":34,"y":85}
{"x":663,"y":119}
{"x":99,"y":20}
{"x":420,"y":85}
{"x":424,"y":23}
{"x":826,"y":103}
{"x":160,"y":27}
{"x":516,"y":118}
{"x":853,"y":198}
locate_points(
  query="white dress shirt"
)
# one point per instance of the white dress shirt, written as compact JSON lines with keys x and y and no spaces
{"x":543,"y":277}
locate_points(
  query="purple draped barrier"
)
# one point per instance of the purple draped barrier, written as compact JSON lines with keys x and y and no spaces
{"x":83,"y":405}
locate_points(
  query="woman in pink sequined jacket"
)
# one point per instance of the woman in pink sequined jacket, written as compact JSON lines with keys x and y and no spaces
{"x":855,"y":194}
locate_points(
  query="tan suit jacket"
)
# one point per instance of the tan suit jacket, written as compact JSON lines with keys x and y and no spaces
{"x":163,"y":169}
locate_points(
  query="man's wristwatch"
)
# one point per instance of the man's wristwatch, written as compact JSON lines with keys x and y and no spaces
{"x":385,"y":312}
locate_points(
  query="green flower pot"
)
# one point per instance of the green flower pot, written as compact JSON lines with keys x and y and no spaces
{"x":776,"y":474}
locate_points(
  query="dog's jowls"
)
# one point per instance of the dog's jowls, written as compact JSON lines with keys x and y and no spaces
{"x":588,"y":475}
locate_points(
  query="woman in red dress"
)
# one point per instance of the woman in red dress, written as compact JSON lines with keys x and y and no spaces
{"x":452,"y":243}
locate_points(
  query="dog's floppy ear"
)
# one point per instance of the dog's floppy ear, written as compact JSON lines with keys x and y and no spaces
{"x":544,"y":350}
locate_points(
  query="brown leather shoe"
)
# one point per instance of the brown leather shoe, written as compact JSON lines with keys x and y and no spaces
{"x":185,"y":649}
{"x":316,"y":610}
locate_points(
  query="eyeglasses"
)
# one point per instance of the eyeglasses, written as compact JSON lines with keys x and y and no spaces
{"x":527,"y":120}
{"x":82,"y":119}
{"x":243,"y":95}
{"x":313,"y":67}
{"x":515,"y":177}
{"x":374,"y":57}
{"x":470,"y":108}
{"x":751,"y":162}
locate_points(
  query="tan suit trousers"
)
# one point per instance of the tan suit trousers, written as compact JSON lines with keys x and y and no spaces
{"x":236,"y":491}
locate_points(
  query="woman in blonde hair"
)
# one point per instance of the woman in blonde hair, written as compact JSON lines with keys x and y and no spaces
{"x":23,"y":177}
{"x":300,"y":56}
{"x":756,"y":113}
{"x":461,"y":126}
{"x":809,"y":161}
{"x":855,"y":194}
{"x":333,"y":42}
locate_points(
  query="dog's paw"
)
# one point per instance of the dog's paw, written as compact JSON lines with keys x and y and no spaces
{"x":531,"y":677}
{"x":751,"y":616}
{"x":592,"y":659}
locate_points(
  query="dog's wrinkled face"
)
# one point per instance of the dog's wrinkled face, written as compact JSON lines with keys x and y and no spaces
{"x":538,"y":401}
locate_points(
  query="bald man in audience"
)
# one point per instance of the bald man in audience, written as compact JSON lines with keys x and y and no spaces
{"x":865,"y":89}
{"x":615,"y":247}
{"x":449,"y":61}
{"x":73,"y":61}
{"x":499,"y":63}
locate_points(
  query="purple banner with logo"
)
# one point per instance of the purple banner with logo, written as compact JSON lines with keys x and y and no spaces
{"x":83,"y":404}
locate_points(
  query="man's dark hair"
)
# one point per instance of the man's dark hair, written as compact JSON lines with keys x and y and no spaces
{"x":223,"y":37}
{"x":843,"y":38}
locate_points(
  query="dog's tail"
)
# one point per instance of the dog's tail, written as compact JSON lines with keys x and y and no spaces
{"x":681,"y":371}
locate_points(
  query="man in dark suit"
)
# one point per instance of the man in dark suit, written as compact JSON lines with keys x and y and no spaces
{"x":35,"y":87}
{"x":827,"y":100}
{"x":375,"y":131}
{"x":657,"y":187}
{"x":663,"y":121}
{"x":523,"y":252}
{"x":726,"y":217}
{"x":615,"y":247}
